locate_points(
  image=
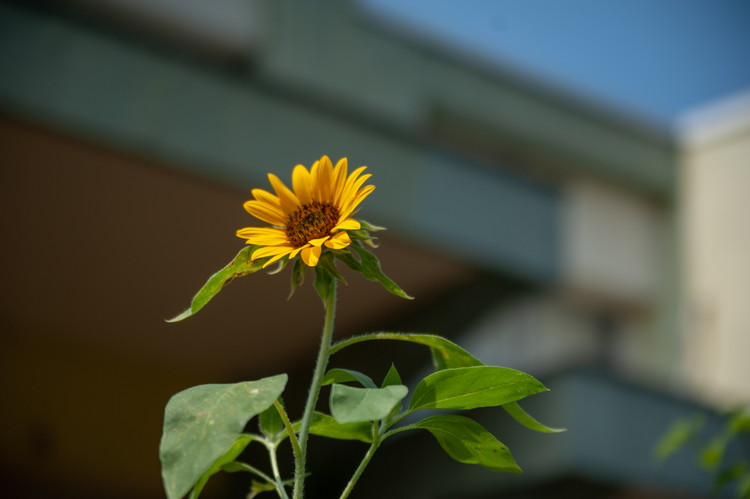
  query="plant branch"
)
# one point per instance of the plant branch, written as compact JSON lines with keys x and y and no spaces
{"x":329,"y":302}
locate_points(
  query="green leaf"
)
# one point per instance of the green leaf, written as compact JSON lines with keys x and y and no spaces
{"x":392,"y":377}
{"x":713,"y":453}
{"x":447,"y":353}
{"x":369,"y":266}
{"x":270,"y":422}
{"x":202,"y":423}
{"x":677,"y":435}
{"x":234,"y":451}
{"x":467,"y":441}
{"x":324,"y":425}
{"x":240,"y":266}
{"x":257,"y":487}
{"x":346,"y":375}
{"x":472,"y":387}
{"x":728,"y":475}
{"x":523,"y":417}
{"x":351,"y":405}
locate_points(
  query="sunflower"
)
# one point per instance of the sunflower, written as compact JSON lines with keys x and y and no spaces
{"x":316,"y":214}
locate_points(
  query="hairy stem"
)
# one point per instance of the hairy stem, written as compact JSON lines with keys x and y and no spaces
{"x":312,"y":398}
{"x":376,"y":440}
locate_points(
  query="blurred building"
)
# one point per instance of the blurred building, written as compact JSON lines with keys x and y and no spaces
{"x":538,"y":230}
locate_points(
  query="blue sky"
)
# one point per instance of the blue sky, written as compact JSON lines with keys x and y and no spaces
{"x":652,"y":59}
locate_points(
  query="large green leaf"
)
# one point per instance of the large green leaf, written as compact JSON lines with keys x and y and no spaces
{"x":523,"y":417}
{"x":238,"y":267}
{"x":324,"y":425}
{"x":350,"y":404}
{"x":234,"y":451}
{"x":467,"y":441}
{"x":471,"y":387}
{"x":202,"y":423}
{"x":446,"y":354}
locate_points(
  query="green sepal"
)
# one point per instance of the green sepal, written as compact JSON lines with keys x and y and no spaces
{"x":471,"y":387}
{"x":298,"y":276}
{"x":368,"y":265}
{"x":445,"y":353}
{"x":525,"y":419}
{"x":338,"y":375}
{"x":257,"y":487}
{"x":234,"y":451}
{"x":240,"y":266}
{"x":468,"y":442}
{"x":324,"y":425}
{"x":202,"y":423}
{"x":350,"y":404}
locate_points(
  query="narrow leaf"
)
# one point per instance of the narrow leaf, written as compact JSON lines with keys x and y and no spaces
{"x":234,"y":451}
{"x":449,"y":354}
{"x":240,"y":266}
{"x":351,"y":405}
{"x":324,"y":425}
{"x":202,"y":423}
{"x":472,"y":387}
{"x":523,"y":417}
{"x":467,"y":441}
{"x":345,"y":375}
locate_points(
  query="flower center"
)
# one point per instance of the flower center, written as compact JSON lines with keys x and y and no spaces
{"x":311,"y":221}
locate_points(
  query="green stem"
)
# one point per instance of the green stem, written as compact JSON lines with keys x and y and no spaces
{"x":277,"y":476}
{"x":329,"y":302}
{"x":376,"y":440}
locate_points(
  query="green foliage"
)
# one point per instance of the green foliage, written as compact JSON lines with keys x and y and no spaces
{"x":352,"y":405}
{"x":235,"y":450}
{"x":203,"y":423}
{"x":523,"y":417}
{"x":445,"y":353}
{"x":346,"y":375}
{"x":471,"y":387}
{"x":467,"y":441}
{"x":713,"y":456}
{"x":238,"y":267}
{"x":362,"y":261}
{"x":324,"y":425}
{"x":270,"y":422}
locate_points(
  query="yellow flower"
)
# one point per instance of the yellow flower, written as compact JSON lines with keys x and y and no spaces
{"x":316,"y":214}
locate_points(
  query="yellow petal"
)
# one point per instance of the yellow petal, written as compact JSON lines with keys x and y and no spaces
{"x":263,"y":236}
{"x":270,"y":251}
{"x":339,"y":240}
{"x":311,"y":255}
{"x":322,"y":178}
{"x":266,"y":212}
{"x":348,"y":191}
{"x":297,"y":250}
{"x":319,"y":241}
{"x":352,"y":204}
{"x":267,"y":197}
{"x":348,"y":224}
{"x":338,"y":180}
{"x":302,"y":184}
{"x":288,"y":201}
